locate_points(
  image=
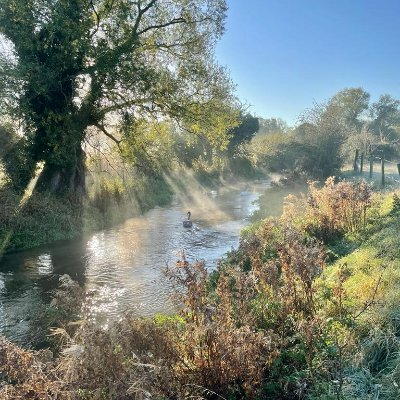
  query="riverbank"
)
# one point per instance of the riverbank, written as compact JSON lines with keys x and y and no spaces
{"x":44,"y":218}
{"x":306,"y":308}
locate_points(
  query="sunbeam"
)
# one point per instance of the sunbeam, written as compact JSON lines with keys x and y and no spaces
{"x":24,"y":198}
{"x":192,"y":195}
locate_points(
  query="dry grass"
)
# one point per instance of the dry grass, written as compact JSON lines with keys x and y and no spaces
{"x":27,"y":375}
{"x":331,"y":211}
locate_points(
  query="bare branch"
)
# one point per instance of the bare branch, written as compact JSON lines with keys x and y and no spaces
{"x":108,"y":134}
{"x":105,"y":157}
{"x":141,"y":12}
{"x":174,"y":21}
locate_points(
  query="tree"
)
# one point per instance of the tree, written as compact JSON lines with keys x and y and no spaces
{"x":272,"y":125}
{"x":237,"y":151}
{"x":352,"y":106}
{"x":70,"y":65}
{"x":322,"y":132}
{"x":272,"y":151}
{"x":385,"y":115}
{"x":243,"y":133}
{"x":352,"y":103}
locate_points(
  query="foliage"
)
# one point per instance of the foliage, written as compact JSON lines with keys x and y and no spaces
{"x":219,"y":340}
{"x":240,"y":136}
{"x":271,"y":151}
{"x":73,"y":65}
{"x":41,"y":220}
{"x":385,"y":115}
{"x":324,"y":131}
{"x":335,"y":209}
{"x":148,"y":146}
{"x":353,"y":103}
{"x":313,"y":148}
{"x":18,"y":168}
{"x":359,"y":140}
{"x":7,"y":137}
{"x":243,"y":133}
{"x":24,"y":375}
{"x":272,"y":125}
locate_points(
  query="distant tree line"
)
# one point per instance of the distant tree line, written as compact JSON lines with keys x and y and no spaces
{"x":328,"y":134}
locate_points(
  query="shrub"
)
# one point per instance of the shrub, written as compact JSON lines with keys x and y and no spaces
{"x":333,"y":210}
{"x":27,"y":374}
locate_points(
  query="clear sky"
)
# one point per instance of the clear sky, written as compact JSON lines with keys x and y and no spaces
{"x":285,"y":54}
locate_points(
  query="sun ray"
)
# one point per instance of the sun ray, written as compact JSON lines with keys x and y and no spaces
{"x":192,"y":194}
{"x":24,"y":198}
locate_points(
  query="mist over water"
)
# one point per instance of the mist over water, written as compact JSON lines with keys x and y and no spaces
{"x":122,"y":267}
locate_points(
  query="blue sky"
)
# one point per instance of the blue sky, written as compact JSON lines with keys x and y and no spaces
{"x":285,"y":54}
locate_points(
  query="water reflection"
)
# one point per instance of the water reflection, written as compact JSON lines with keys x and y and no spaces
{"x":26,"y":282}
{"x":122,"y":267}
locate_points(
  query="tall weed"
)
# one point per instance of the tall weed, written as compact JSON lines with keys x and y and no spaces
{"x":333,"y":210}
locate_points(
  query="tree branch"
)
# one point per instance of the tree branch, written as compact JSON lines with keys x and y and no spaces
{"x":127,"y":103}
{"x":97,"y":18}
{"x":105,"y":157}
{"x":141,"y":12}
{"x":112,"y":137}
{"x":174,"y":21}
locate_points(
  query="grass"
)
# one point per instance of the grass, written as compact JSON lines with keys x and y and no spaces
{"x":372,"y":284}
{"x":41,"y":220}
{"x":392,"y":178}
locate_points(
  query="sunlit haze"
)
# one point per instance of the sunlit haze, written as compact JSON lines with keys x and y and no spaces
{"x":285,"y":54}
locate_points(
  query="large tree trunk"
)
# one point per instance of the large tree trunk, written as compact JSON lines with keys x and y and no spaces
{"x":63,"y":180}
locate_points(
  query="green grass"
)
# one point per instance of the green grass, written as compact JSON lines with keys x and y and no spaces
{"x":372,"y":284}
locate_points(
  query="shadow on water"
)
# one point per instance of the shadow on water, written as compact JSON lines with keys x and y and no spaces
{"x":122,"y":267}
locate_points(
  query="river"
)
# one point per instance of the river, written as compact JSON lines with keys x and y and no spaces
{"x":122,"y":267}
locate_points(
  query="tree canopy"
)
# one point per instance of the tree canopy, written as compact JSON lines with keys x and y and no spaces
{"x":352,"y":104}
{"x":73,"y":65}
{"x":272,"y":125}
{"x":385,"y":115}
{"x":242,"y":133}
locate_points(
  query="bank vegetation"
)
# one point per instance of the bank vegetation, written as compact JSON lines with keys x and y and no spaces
{"x":307,"y":307}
